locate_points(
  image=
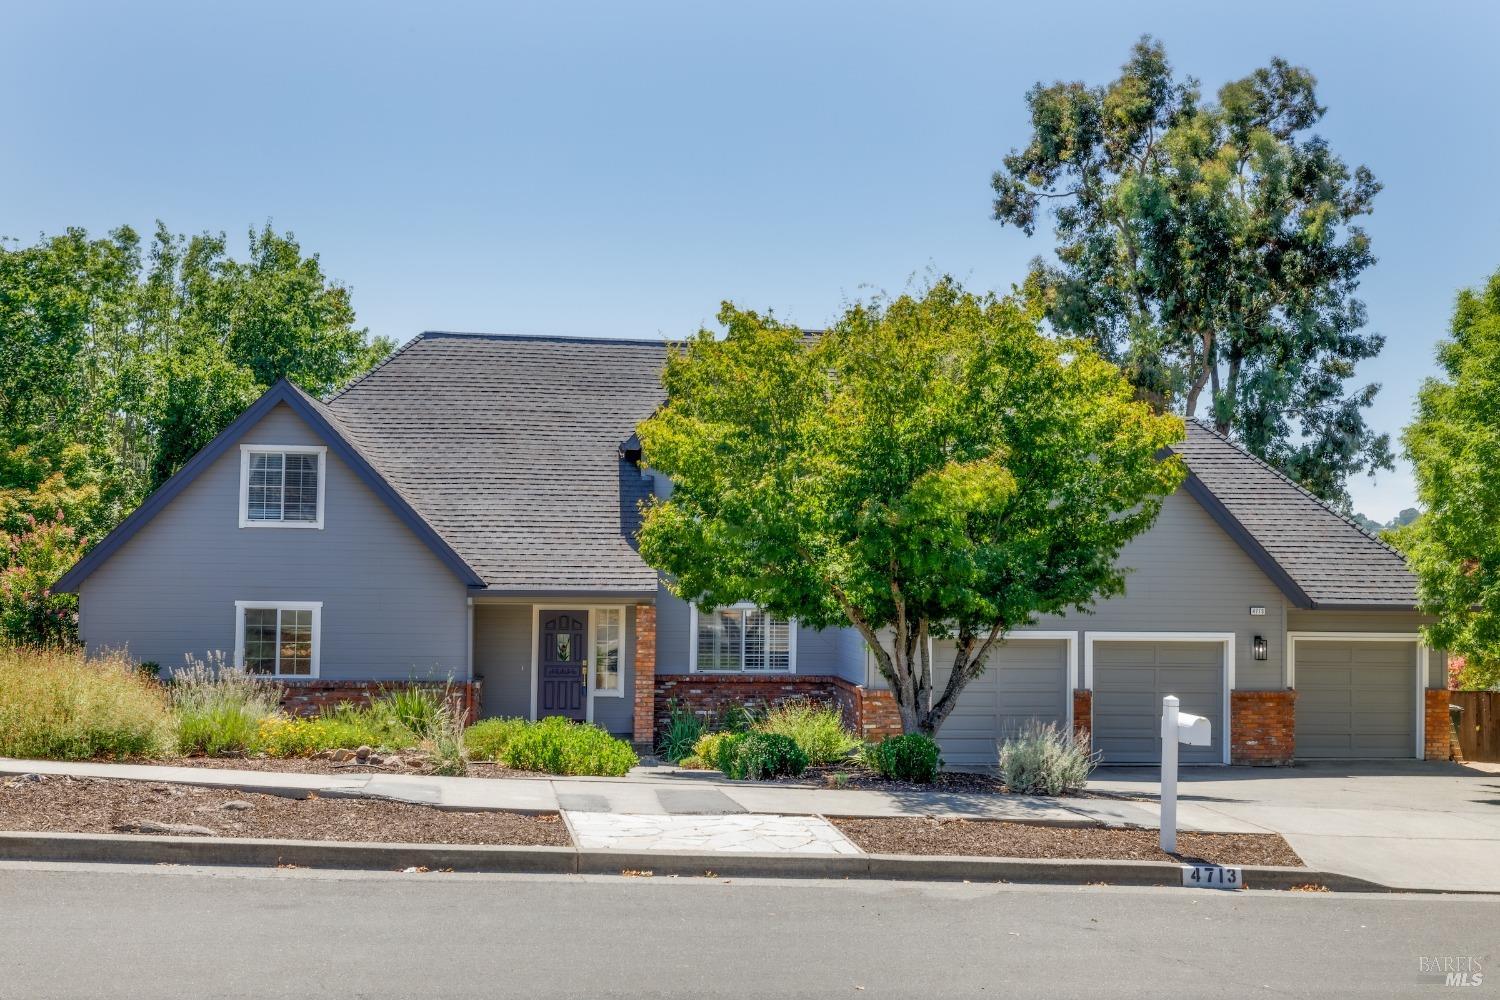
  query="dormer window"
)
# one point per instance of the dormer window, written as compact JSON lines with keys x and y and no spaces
{"x":281,"y":486}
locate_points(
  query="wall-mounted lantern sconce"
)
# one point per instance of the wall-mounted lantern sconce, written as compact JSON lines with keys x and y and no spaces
{"x":1261,"y":647}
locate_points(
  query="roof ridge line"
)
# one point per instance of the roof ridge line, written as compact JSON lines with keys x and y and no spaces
{"x":550,"y":337}
{"x":1299,"y":488}
{"x":392,"y":356}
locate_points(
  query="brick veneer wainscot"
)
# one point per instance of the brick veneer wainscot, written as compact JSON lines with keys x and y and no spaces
{"x":869,"y":712}
{"x":1437,"y":725}
{"x":1262,"y":727}
{"x":312,"y":697}
{"x":645,"y":675}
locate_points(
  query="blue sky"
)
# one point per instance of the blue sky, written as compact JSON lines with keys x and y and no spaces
{"x":618,"y":169}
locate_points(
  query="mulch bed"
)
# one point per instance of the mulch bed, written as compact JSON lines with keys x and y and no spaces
{"x":315,"y":765}
{"x":992,"y":838}
{"x":858,"y":776}
{"x":64,"y":804}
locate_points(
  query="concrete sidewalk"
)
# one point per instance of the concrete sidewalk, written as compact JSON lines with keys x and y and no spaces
{"x":654,"y":792}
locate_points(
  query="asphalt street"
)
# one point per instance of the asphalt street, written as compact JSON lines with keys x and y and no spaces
{"x":119,"y":932}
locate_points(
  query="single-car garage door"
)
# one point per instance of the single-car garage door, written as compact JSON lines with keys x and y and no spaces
{"x":1355,"y":698}
{"x":1026,"y":680}
{"x":1130,"y":680}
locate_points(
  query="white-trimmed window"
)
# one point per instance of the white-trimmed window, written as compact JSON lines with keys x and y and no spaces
{"x":742,"y":639}
{"x":281,"y":486}
{"x":609,"y":651}
{"x":278,"y":638}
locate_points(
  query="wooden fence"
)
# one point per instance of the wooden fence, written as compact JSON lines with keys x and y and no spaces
{"x":1479,"y":725}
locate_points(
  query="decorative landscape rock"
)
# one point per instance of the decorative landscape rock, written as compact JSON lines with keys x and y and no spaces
{"x":364,"y":752}
{"x":237,"y":805}
{"x":152,"y":826}
{"x":340,"y":756}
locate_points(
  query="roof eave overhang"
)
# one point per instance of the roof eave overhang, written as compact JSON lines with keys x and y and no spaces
{"x":282,"y":392}
{"x":590,"y":594}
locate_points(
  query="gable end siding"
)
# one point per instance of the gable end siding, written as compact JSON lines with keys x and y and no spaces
{"x":392,"y":610}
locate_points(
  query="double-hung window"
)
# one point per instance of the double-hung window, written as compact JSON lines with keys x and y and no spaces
{"x":278,"y":638}
{"x":281,"y":486}
{"x":742,"y":639}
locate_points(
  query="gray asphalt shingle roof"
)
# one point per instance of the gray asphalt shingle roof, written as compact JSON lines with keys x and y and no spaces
{"x":1333,"y":562}
{"x":509,"y":447}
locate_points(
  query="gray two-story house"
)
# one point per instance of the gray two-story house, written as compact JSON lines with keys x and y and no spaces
{"x":466,"y":512}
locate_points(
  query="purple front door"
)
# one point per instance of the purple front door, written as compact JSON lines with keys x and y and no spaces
{"x":563,"y":663}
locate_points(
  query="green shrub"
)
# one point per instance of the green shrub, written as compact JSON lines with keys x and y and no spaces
{"x":558,"y":746}
{"x":488,"y":738}
{"x":910,"y":757}
{"x":415,"y":709}
{"x":718,"y":750}
{"x":1043,"y":760}
{"x":692,"y":762}
{"x":768,"y":755}
{"x":59,"y":705}
{"x":219,"y":709}
{"x":816,"y":727}
{"x":681,"y":734}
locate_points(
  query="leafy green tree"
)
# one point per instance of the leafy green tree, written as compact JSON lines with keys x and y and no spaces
{"x":228,"y":329}
{"x":1209,"y":248}
{"x":69,"y":439}
{"x":929,"y":467}
{"x":1454,"y":448}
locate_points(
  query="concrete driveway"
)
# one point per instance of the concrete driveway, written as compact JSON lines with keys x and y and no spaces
{"x":1409,"y":824}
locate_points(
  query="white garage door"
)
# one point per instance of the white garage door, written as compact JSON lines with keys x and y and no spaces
{"x":1130,"y":680}
{"x":1356,"y":699}
{"x":1026,"y":680}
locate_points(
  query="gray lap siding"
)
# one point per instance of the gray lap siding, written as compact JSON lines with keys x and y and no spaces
{"x":391,"y":609}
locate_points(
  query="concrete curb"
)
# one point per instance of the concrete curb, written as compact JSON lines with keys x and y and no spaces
{"x":235,"y":851}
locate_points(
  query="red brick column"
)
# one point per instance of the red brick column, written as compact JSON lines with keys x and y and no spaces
{"x":645,"y":674}
{"x":1437,"y":726}
{"x":878,"y":715}
{"x":1083,"y":715}
{"x":1262,"y":727}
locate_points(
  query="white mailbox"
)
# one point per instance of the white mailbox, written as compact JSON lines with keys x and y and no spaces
{"x":1176,"y":727}
{"x":1193,"y":730}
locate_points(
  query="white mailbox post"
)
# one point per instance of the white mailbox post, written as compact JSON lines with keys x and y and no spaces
{"x":1176,"y":727}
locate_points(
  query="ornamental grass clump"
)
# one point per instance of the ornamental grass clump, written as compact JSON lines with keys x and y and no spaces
{"x":446,"y":737}
{"x":418,"y":710}
{"x":58,"y":704}
{"x":817,"y":728}
{"x":681,"y":734}
{"x":219,"y":709}
{"x":1043,"y":760}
